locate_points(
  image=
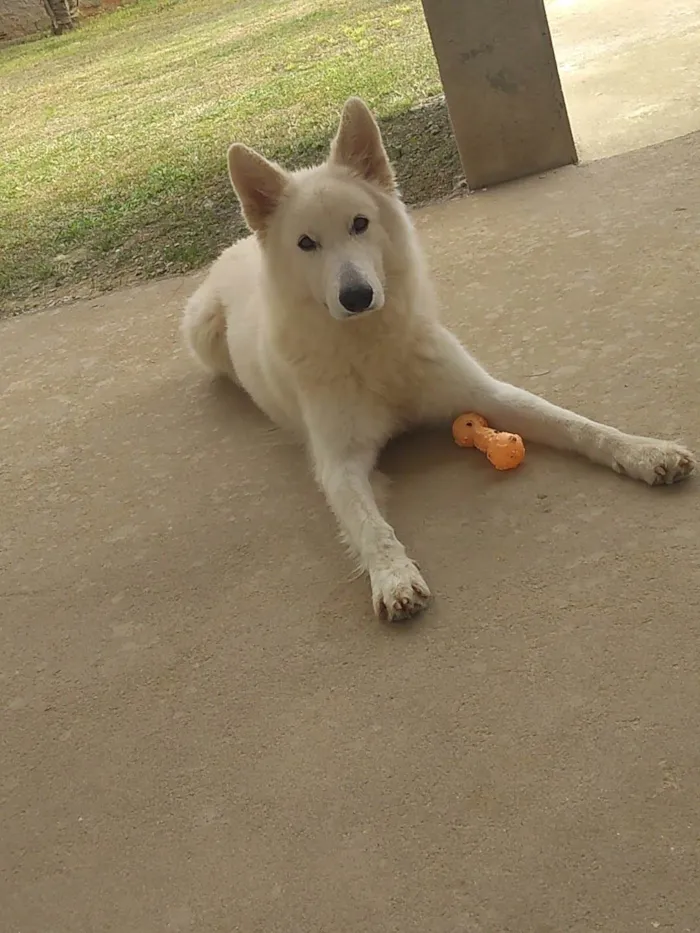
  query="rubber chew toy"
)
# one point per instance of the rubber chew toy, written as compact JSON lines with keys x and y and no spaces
{"x":505,"y":451}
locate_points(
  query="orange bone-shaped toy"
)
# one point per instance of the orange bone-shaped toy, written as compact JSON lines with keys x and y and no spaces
{"x":505,"y":451}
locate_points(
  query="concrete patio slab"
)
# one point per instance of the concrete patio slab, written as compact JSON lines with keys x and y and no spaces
{"x":203,"y":727}
{"x":630,"y":71}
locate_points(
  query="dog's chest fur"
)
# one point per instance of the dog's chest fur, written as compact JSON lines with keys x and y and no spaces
{"x":380,"y":360}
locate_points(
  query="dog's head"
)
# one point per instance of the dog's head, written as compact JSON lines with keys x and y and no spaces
{"x":323,"y":229}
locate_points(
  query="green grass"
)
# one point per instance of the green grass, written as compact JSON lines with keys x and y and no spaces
{"x":113,"y":139}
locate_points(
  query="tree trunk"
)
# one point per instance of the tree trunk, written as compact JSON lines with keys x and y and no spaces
{"x":63,"y":15}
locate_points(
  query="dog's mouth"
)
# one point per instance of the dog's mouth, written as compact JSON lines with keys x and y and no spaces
{"x":341,"y":313}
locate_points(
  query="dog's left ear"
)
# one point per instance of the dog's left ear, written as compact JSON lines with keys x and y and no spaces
{"x":358,"y":145}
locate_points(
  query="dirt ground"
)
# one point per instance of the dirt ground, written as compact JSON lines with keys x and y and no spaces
{"x":204,"y":728}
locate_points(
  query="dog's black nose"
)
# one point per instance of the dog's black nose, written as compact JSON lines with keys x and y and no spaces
{"x":356,"y":298}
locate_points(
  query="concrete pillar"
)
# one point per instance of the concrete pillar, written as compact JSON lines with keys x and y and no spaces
{"x":502,"y":87}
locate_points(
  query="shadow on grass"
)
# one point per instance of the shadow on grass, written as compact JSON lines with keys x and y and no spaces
{"x":179,"y":217}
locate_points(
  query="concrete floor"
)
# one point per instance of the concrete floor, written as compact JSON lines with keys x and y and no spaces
{"x":204,"y":729}
{"x":630,"y":70}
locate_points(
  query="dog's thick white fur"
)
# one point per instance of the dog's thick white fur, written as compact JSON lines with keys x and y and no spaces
{"x":327,"y":319}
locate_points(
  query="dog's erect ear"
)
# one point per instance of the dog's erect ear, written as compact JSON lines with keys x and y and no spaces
{"x":258,"y":183}
{"x":358,"y":145}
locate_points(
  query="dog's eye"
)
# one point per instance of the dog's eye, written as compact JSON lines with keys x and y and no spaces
{"x":360,"y":224}
{"x":307,"y":244}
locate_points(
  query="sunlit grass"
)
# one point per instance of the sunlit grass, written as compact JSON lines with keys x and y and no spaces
{"x":113,"y":138}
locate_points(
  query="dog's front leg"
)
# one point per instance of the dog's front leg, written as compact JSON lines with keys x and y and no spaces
{"x":459,"y":384}
{"x":343,"y":471}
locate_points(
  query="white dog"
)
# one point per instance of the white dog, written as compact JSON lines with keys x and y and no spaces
{"x":327,"y":319}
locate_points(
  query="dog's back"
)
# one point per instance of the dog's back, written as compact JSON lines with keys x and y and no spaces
{"x":229,"y":287}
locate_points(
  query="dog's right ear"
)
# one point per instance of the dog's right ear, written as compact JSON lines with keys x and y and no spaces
{"x":258,"y":183}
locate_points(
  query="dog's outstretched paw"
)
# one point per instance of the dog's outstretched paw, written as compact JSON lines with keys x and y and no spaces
{"x":399,"y":592}
{"x":656,"y":462}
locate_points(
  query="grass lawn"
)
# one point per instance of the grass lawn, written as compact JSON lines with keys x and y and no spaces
{"x":113,"y":139}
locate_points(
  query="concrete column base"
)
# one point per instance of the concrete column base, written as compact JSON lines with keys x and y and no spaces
{"x":502,"y":87}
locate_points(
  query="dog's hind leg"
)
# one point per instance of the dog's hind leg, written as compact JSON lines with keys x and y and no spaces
{"x":457,"y":384}
{"x":204,"y":332}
